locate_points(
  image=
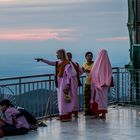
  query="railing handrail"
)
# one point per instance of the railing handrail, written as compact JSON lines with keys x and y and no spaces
{"x":25,"y":77}
{"x":42,"y":75}
{"x":26,"y":82}
{"x":38,"y":75}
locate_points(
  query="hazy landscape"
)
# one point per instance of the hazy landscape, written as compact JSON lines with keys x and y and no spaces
{"x":37,"y":28}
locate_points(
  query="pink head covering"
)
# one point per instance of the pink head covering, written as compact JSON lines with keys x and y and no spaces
{"x":101,"y":72}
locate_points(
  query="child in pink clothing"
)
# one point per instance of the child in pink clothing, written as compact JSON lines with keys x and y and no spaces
{"x":10,"y":124}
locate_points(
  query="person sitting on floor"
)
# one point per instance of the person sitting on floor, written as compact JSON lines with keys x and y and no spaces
{"x":32,"y":121}
{"x":9,"y":124}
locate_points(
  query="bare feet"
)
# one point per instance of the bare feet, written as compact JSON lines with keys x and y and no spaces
{"x":103,"y":116}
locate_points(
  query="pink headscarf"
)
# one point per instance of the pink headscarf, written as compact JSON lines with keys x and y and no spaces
{"x":101,"y":72}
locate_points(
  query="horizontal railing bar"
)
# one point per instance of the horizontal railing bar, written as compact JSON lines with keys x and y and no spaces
{"x":39,"y":75}
{"x":27,"y":82}
{"x":25,"y":77}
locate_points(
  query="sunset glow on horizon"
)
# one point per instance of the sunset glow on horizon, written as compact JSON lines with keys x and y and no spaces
{"x":109,"y":39}
{"x":61,"y":34}
{"x":37,"y":28}
{"x":45,"y":1}
{"x":6,"y":1}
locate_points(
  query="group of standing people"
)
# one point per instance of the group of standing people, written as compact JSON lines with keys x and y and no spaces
{"x":98,"y":80}
{"x":67,"y":80}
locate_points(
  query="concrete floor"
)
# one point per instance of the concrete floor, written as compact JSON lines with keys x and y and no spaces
{"x":122,"y":123}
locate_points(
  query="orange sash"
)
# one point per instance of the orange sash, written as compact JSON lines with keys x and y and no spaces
{"x":61,"y":68}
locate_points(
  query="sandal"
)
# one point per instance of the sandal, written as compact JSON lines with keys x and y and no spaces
{"x":102,"y":117}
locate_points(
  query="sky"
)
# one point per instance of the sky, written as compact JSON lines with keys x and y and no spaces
{"x":37,"y":28}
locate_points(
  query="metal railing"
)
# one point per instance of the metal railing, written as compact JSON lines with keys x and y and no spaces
{"x":38,"y":94}
{"x":31,"y":92}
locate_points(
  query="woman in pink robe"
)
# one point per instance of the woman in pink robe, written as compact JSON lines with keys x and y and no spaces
{"x":75,"y":78}
{"x":65,"y":84}
{"x":101,"y":78}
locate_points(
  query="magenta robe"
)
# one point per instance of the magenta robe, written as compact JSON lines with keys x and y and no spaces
{"x":64,"y":107}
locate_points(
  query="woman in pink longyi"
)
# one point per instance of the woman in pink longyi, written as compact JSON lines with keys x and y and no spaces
{"x":101,"y":75}
{"x":75,"y":78}
{"x":65,"y":84}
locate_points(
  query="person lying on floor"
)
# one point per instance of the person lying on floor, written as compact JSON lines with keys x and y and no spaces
{"x":11,"y":125}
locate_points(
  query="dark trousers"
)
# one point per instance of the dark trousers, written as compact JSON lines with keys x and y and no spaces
{"x":11,"y":130}
{"x":87,"y":97}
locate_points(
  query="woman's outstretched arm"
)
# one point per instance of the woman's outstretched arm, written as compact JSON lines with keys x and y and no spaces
{"x":52,"y":63}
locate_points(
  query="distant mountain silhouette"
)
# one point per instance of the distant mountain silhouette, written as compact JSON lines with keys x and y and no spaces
{"x":37,"y":102}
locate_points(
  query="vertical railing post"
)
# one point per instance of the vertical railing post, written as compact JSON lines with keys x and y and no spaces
{"x":118,"y":85}
{"x":81,"y":94}
{"x":20,"y":100}
{"x":50,"y":97}
{"x":131,"y":85}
